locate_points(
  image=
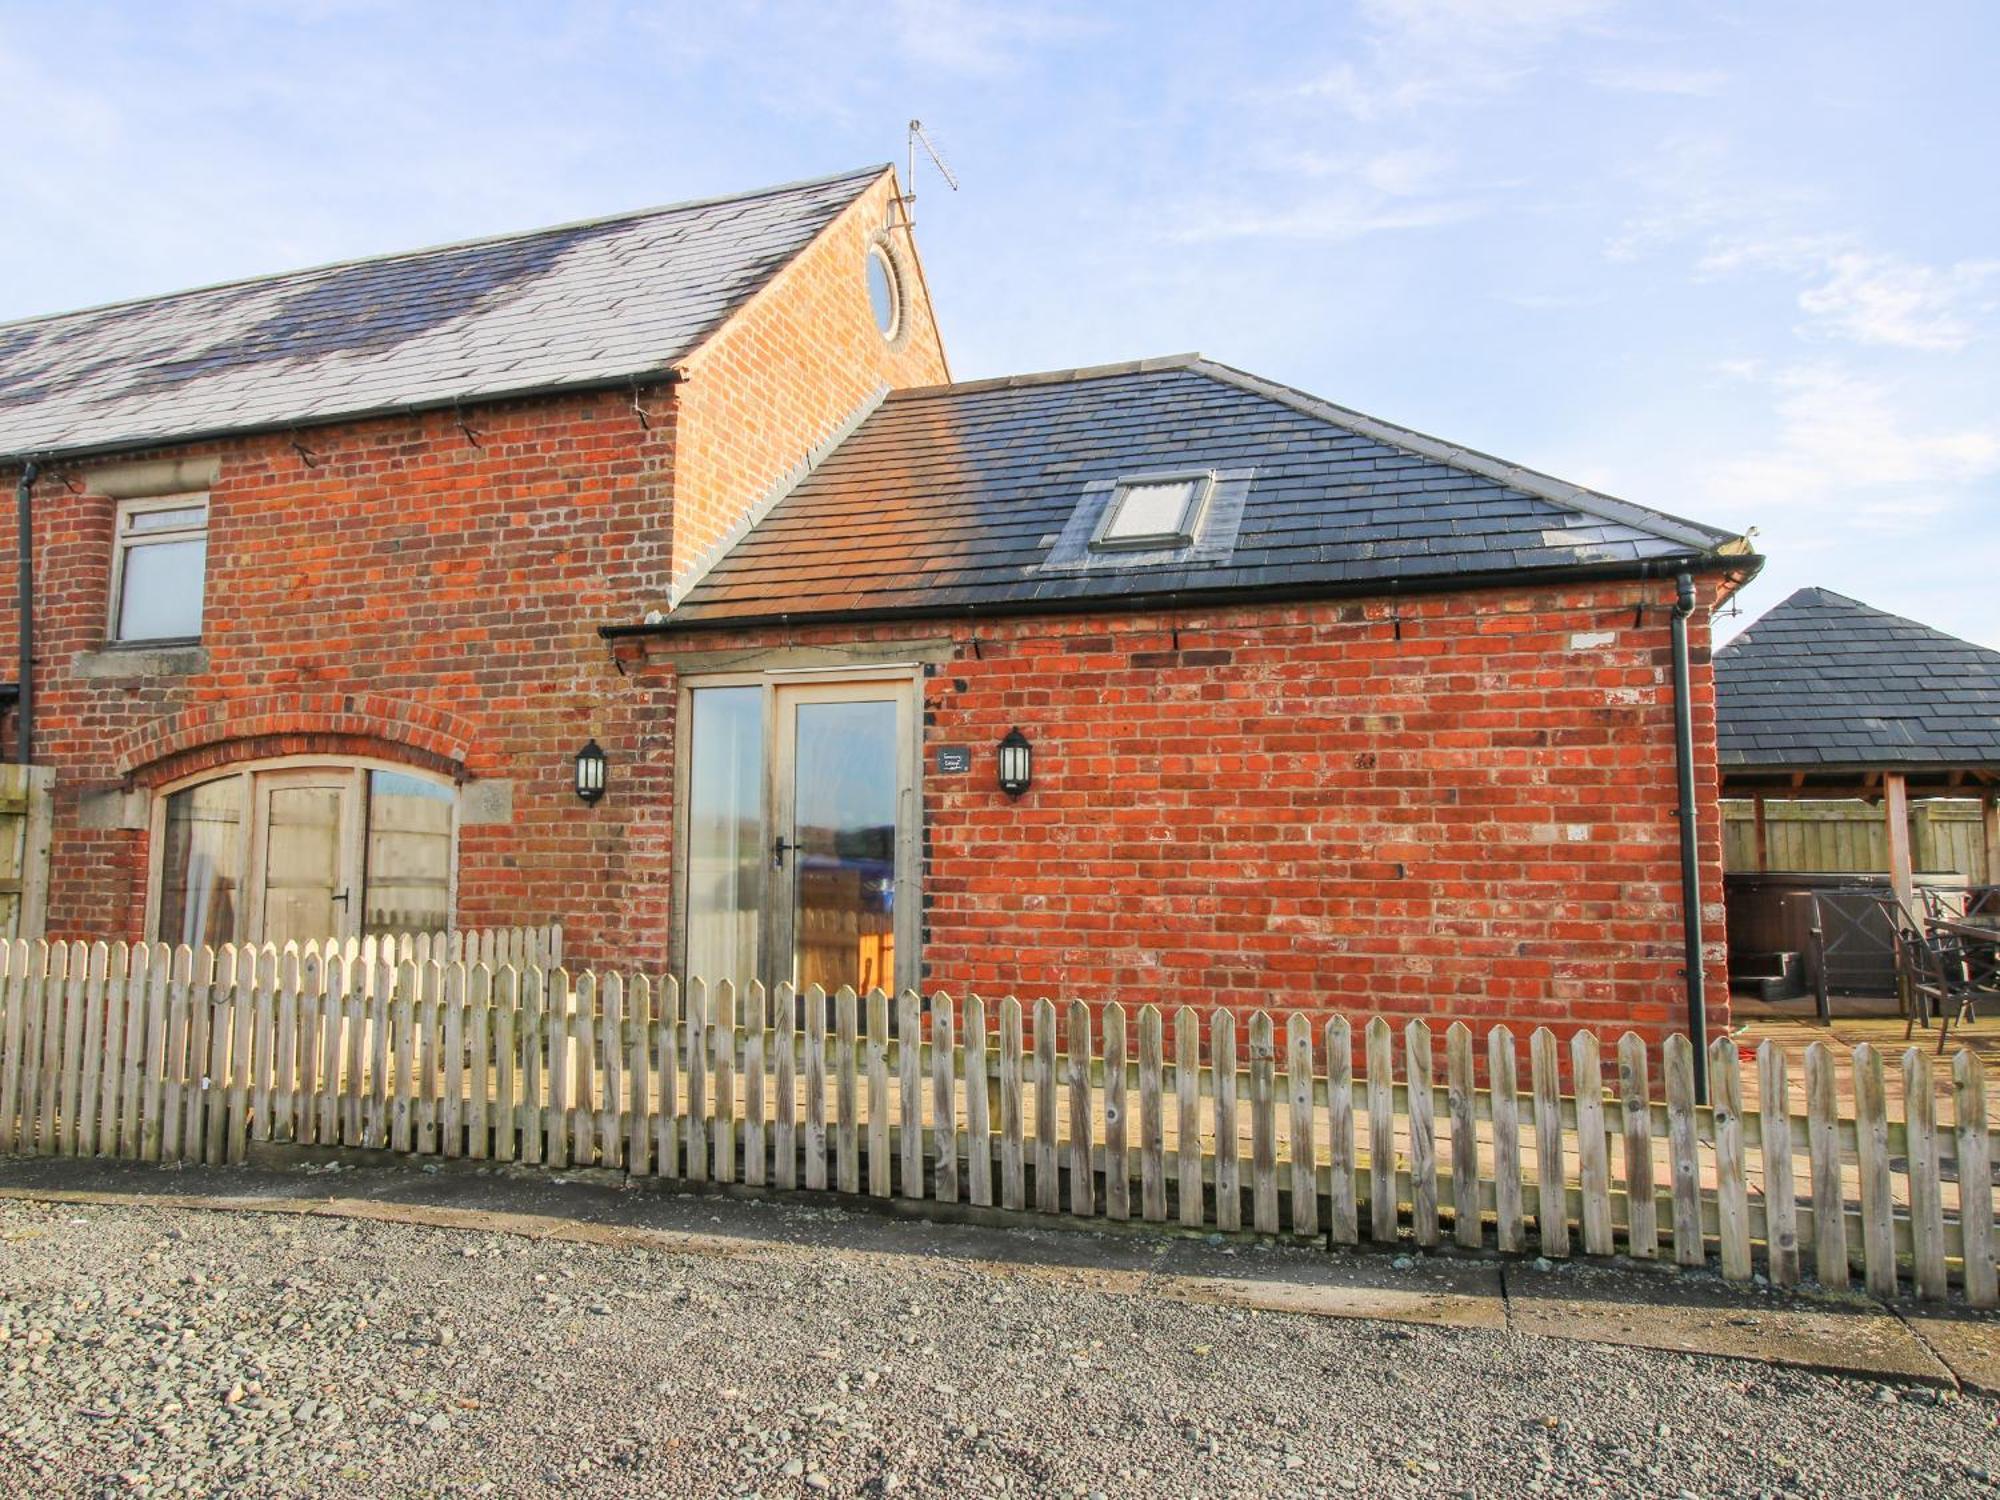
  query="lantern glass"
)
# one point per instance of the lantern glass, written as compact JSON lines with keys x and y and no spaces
{"x":1016,"y":763}
{"x":590,"y":772}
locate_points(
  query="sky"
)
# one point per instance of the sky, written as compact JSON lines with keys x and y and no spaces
{"x":1739,"y":261}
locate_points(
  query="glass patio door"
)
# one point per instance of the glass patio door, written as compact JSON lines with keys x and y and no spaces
{"x":305,"y":857}
{"x":840,"y":777}
{"x":799,"y":836}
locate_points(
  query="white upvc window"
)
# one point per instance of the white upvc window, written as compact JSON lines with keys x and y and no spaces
{"x":159,"y":568}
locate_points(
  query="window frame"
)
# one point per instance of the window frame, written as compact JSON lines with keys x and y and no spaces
{"x":1201,"y":484}
{"x":120,"y":545}
{"x":247,"y":774}
{"x":880,"y":251}
{"x":907,"y":678}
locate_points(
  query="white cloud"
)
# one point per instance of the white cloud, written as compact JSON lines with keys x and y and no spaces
{"x":962,"y":37}
{"x":1419,"y":52}
{"x":1691,"y":191}
{"x":1849,"y":448}
{"x":1458,"y":22}
{"x":1405,"y":172}
{"x":1879,"y":299}
{"x":1870,"y":297}
{"x":1660,"y":78}
{"x":1394,"y":106}
{"x":1330,"y":218}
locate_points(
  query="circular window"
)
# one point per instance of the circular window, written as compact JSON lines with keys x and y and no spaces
{"x":885,"y":297}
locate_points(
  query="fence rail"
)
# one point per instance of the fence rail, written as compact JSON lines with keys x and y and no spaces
{"x":175,"y":1054}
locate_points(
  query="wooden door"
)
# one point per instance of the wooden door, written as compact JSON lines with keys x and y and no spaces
{"x":305,"y":856}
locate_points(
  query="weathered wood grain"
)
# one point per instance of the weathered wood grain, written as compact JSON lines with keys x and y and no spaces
{"x":978,"y":1119}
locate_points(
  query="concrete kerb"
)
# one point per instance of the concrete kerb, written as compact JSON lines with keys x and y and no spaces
{"x":1597,"y":1302}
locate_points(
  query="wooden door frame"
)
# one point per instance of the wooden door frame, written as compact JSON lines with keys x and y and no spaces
{"x":906,"y":678}
{"x":249,"y":773}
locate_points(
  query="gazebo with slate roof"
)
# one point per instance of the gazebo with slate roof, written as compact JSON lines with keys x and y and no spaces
{"x":1825,"y":696}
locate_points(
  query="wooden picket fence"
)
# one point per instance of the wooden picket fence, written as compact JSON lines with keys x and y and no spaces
{"x":523,"y":947}
{"x":171,"y":1054}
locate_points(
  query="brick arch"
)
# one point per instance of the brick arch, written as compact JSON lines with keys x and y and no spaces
{"x":345,"y":724}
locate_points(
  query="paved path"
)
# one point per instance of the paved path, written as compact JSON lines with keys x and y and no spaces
{"x":411,"y":1332}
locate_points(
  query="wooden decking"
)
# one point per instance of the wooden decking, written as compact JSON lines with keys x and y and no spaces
{"x":1794,"y":1026}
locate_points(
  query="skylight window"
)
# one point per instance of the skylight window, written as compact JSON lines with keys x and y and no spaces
{"x":1150,"y":514}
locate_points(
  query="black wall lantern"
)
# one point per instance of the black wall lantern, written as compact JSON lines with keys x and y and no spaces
{"x":590,"y":775}
{"x":1016,"y":760}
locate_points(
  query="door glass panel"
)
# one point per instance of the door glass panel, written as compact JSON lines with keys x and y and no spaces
{"x":844,"y":769}
{"x":302,"y":864}
{"x":408,"y":888}
{"x":726,"y":843}
{"x":202,"y":864}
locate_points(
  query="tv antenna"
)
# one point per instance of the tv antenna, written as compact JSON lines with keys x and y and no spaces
{"x":921,"y":137}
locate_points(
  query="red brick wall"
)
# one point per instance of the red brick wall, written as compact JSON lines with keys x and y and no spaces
{"x":414,"y":595}
{"x":418,"y":595}
{"x":1294,"y":807}
{"x":794,"y":364}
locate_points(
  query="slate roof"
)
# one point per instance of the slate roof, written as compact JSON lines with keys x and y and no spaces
{"x":1824,"y":681}
{"x":965,"y":498}
{"x":582,"y":304}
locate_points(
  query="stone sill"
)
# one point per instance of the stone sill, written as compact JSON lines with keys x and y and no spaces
{"x":147,"y":659}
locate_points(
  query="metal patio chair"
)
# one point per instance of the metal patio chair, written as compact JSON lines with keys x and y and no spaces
{"x":1934,"y":973}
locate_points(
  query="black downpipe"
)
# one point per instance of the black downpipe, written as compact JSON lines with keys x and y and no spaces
{"x":24,"y":705}
{"x":1697,"y":979}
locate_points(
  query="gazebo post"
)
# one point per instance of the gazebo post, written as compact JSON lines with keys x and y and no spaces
{"x":1763,"y":837}
{"x":1896,"y":810}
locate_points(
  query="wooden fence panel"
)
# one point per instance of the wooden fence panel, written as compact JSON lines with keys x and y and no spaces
{"x":1926,"y":1189}
{"x":910,"y":1079}
{"x":1152,"y":1115}
{"x":1422,"y":1111}
{"x":1342,"y":1205}
{"x":153,"y":1053}
{"x":978,"y":1122}
{"x":1510,"y":1228}
{"x":1187,"y":1097}
{"x":1725,"y":1076}
{"x":1774,"y":1153}
{"x":1304,"y":1151}
{"x":1975,"y":1179}
{"x":944,"y":1101}
{"x":1552,"y":1199}
{"x":1048,"y":1184}
{"x":879,"y":1184}
{"x":1642,"y":1226}
{"x":1082,"y":1185}
{"x":1263,"y":1124}
{"x":1830,"y":1263}
{"x":1689,"y":1247}
{"x":1228,"y":1179}
{"x":785,"y":1126}
{"x":1117,"y":1157}
{"x":1382,"y":1194}
{"x":1871,"y":1123}
{"x":1592,"y":1149}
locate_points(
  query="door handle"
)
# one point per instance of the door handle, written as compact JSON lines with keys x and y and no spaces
{"x":341,"y":898}
{"x":778,"y":847}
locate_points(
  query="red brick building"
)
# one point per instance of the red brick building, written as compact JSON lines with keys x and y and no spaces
{"x":335,"y":573}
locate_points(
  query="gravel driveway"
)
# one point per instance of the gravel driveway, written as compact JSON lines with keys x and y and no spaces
{"x":160,"y":1351}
